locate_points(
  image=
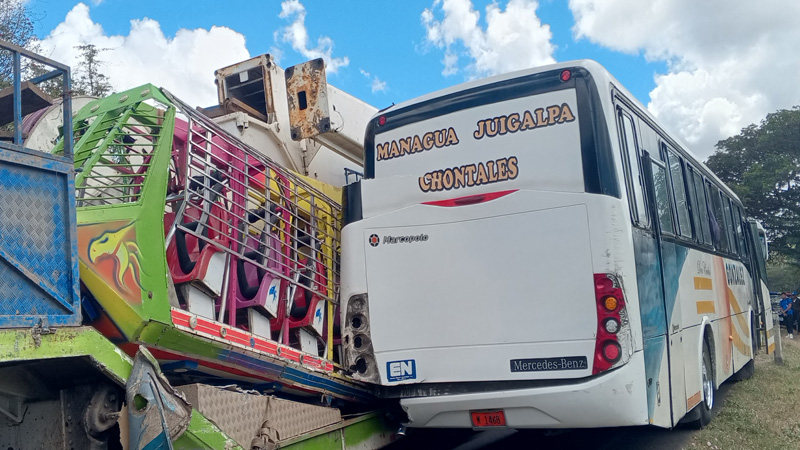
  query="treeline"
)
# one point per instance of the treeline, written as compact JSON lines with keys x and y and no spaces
{"x":17,"y":26}
{"x":762,"y":165}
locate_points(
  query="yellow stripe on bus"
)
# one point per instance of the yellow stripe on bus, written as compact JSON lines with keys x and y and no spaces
{"x":703,"y":284}
{"x":737,"y":310}
{"x":693,"y":401}
{"x":706,"y":307}
{"x":738,"y":343}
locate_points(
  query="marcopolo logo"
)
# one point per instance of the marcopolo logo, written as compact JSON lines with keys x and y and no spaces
{"x":374,"y":239}
{"x":401,"y":370}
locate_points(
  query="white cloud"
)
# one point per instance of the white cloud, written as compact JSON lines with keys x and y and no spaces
{"x":510,"y":39}
{"x":377,"y":85}
{"x":183,"y":64}
{"x":296,"y":34}
{"x":729,"y":63}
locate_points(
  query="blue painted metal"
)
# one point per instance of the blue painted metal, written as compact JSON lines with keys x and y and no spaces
{"x":38,"y":239}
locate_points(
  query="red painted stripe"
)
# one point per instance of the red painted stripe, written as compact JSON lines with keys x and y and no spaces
{"x":470,"y":199}
{"x":213,"y":328}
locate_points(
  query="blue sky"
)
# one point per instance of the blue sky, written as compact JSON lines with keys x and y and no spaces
{"x":702,"y":74}
{"x":388,"y":41}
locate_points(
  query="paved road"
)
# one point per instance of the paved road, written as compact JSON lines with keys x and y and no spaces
{"x":629,"y":438}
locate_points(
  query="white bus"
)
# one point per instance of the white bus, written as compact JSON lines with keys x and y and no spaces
{"x":533,"y":250}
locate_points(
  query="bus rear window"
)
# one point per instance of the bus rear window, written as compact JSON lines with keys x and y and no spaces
{"x":528,"y":142}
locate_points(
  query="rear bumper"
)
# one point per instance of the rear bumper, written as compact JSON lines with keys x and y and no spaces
{"x":617,"y":398}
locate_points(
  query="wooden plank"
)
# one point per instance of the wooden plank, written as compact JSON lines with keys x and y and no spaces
{"x":33,"y":99}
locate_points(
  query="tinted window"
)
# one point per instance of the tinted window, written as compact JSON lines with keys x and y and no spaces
{"x":726,"y":205}
{"x":701,"y":209}
{"x":716,"y":219}
{"x":740,"y":231}
{"x":663,"y":208}
{"x":679,"y":189}
{"x":631,"y":158}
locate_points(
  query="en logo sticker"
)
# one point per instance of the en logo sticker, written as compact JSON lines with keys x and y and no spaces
{"x":401,"y":370}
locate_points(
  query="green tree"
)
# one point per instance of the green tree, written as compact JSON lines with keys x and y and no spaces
{"x":16,"y":27}
{"x":89,"y":80}
{"x":783,"y":277}
{"x":762,"y":165}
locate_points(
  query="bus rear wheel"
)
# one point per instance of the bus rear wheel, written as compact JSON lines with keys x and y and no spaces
{"x":709,"y":390}
{"x":702,"y":412}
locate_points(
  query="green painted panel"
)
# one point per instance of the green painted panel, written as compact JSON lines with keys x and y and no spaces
{"x":18,"y":345}
{"x":204,"y":435}
{"x":364,"y":430}
{"x":327,"y":441}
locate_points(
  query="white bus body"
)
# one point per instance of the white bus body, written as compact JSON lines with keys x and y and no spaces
{"x":494,"y":222}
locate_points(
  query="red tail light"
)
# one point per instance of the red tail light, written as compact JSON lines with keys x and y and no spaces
{"x":611,"y":322}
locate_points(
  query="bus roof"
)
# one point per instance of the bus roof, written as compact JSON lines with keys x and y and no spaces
{"x":602,"y":78}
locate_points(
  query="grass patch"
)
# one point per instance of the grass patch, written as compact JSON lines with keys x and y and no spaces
{"x":759,"y":413}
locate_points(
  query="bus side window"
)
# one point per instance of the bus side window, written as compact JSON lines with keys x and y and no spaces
{"x":701,"y":208}
{"x":631,"y":161}
{"x":717,"y":219}
{"x":729,"y":224}
{"x":679,"y":191}
{"x":691,"y":192}
{"x":740,"y":231}
{"x":663,"y":206}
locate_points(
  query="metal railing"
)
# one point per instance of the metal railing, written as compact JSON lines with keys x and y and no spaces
{"x":244,"y":183}
{"x":58,"y":70}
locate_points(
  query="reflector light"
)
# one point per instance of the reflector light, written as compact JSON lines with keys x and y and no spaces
{"x":566,"y":75}
{"x":382,"y":120}
{"x":612,"y":326}
{"x":612,"y":346}
{"x":611,"y":351}
{"x":603,"y":284}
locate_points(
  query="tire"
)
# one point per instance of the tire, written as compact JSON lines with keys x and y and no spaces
{"x":702,"y":412}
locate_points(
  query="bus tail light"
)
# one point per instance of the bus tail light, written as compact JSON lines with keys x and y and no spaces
{"x":358,"y":352}
{"x":613,"y":345}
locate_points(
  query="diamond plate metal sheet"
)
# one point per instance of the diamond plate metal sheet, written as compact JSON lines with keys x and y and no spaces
{"x":38,"y":272}
{"x":290,"y":419}
{"x":242,"y":416}
{"x":239,"y":415}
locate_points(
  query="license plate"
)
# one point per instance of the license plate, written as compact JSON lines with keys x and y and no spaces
{"x":481,"y":419}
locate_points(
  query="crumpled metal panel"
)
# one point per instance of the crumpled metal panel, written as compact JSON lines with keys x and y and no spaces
{"x":157,"y":413}
{"x":307,"y":92}
{"x":38,"y":258}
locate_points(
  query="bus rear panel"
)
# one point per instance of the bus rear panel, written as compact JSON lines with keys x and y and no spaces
{"x":477,"y":256}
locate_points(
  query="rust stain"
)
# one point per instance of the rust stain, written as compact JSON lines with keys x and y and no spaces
{"x":307,"y":94}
